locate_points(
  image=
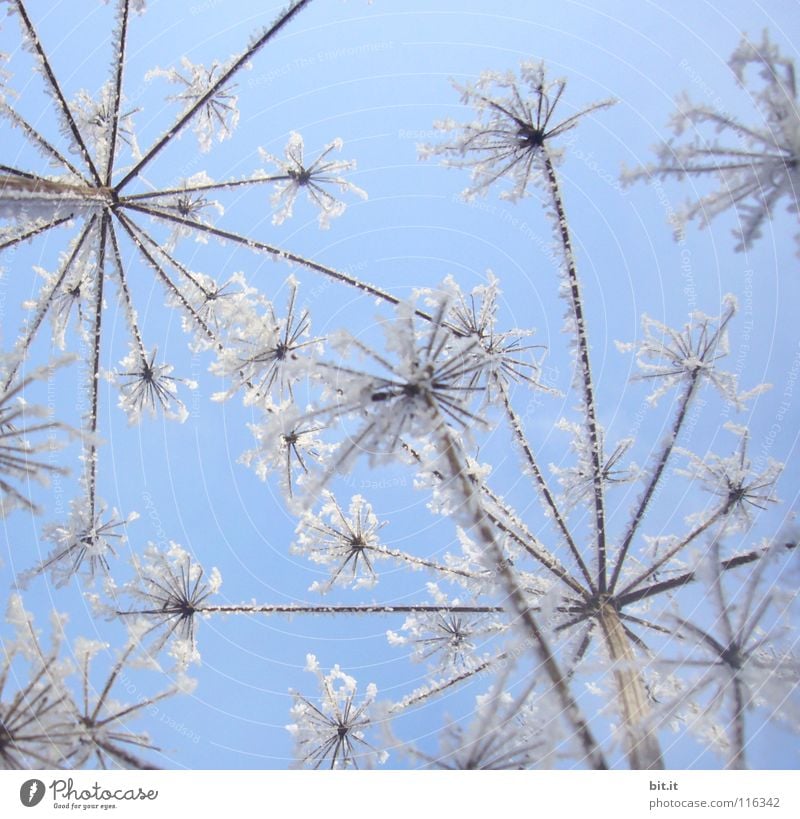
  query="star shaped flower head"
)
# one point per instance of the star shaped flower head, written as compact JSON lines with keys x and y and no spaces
{"x":150,"y":387}
{"x":670,"y":357}
{"x":741,"y":490}
{"x":298,"y":175}
{"x":331,"y":733}
{"x":168,"y":593}
{"x":742,"y":661}
{"x":502,"y":354}
{"x":754,"y":166}
{"x":86,"y":542}
{"x":512,"y":130}
{"x":286,"y":444}
{"x":32,"y":707}
{"x":199,"y":85}
{"x":347,"y":542}
{"x":99,"y":722}
{"x":450,"y":640}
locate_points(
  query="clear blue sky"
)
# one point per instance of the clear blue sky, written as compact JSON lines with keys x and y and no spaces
{"x":377,"y":76}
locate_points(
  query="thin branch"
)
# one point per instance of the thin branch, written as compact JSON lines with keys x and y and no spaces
{"x":210,"y":186}
{"x":655,"y":476}
{"x":684,"y":579}
{"x":541,"y":483}
{"x":254,"y":245}
{"x":33,"y":327}
{"x":29,"y":234}
{"x":39,"y":140}
{"x":119,"y":64}
{"x":51,"y":79}
{"x":224,"y":77}
{"x":585,"y":364}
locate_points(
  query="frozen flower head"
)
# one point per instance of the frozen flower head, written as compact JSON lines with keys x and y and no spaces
{"x":670,"y":357}
{"x":189,"y":204}
{"x":346,"y":542}
{"x":741,"y":661}
{"x":754,"y":166}
{"x":95,"y":119}
{"x":167,"y":594}
{"x":315,"y":177}
{"x":450,"y":640}
{"x":731,"y":479}
{"x":503,"y":355}
{"x":286,"y":444}
{"x":511,"y":133}
{"x":101,"y":722}
{"x":147,"y":386}
{"x":505,"y":733}
{"x":331,"y":731}
{"x":34,"y":703}
{"x":265,"y":352}
{"x":219,"y":115}
{"x":85,"y":542}
{"x":425,"y":384}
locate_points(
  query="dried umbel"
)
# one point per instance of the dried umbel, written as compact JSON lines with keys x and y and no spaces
{"x":756,"y":166}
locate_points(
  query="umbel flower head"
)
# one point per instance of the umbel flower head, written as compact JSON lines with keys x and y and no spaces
{"x":331,"y":733}
{"x":755,"y":166}
{"x":511,"y":133}
{"x":298,"y":174}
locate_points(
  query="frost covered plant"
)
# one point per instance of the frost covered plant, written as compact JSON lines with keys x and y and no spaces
{"x":202,"y":90}
{"x":101,"y":722}
{"x":87,"y":541}
{"x":731,"y":479}
{"x":264,"y":352}
{"x":148,"y":387}
{"x":167,"y":594}
{"x":669,"y":357}
{"x":514,"y":120}
{"x":31,"y":711}
{"x":755,"y":166}
{"x":54,"y":721}
{"x":331,"y":732}
{"x":314,"y":177}
{"x":347,"y":542}
{"x":99,"y":187}
{"x":449,"y":639}
{"x":506,"y":733}
{"x":28,"y":439}
{"x":288,"y":444}
{"x":741,"y":662}
{"x":592,"y":595}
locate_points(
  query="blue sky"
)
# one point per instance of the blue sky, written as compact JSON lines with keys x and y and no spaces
{"x":377,"y":76}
